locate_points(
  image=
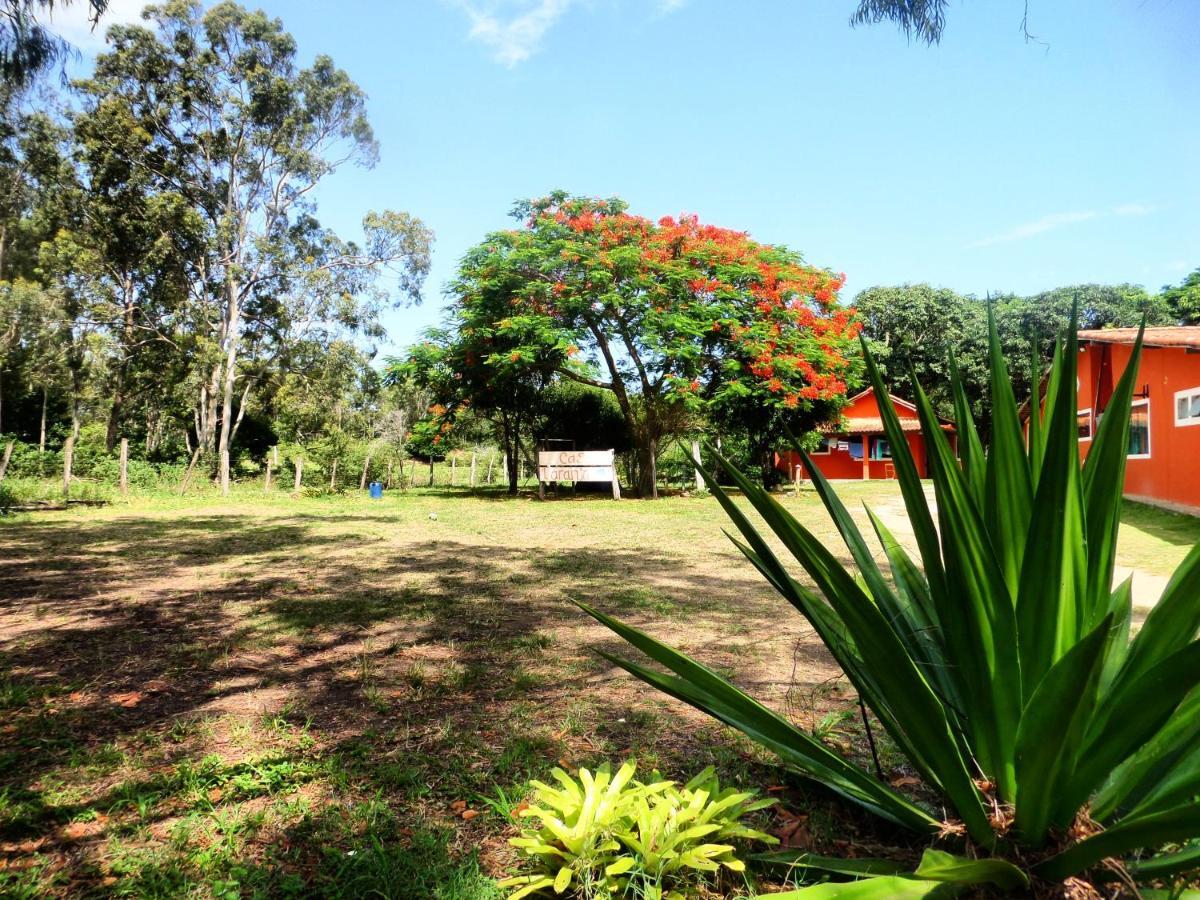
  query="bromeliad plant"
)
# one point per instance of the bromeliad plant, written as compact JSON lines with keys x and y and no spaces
{"x":1002,"y":665}
{"x":610,"y":835}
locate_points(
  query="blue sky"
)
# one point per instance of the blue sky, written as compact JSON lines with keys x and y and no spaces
{"x":987,"y":163}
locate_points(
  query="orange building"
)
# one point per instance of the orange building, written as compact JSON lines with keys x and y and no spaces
{"x":857,"y":447}
{"x":1164,"y":432}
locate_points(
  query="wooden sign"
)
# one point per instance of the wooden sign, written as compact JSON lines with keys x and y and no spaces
{"x":578,"y":465}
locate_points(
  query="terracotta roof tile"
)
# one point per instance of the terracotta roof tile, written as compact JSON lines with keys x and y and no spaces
{"x":1165,"y":336}
{"x":869,"y":425}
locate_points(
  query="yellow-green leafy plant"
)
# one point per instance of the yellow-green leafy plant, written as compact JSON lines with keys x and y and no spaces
{"x":1002,"y":665}
{"x":607,"y":835}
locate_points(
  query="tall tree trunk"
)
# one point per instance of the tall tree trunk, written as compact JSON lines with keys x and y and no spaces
{"x":232,"y":325}
{"x":42,"y":431}
{"x":114,"y":416}
{"x":512,"y":451}
{"x":118,"y":395}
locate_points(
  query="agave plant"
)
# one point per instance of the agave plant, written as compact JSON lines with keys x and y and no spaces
{"x":1001,"y":665}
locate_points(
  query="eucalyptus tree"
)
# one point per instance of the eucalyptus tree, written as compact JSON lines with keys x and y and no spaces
{"x":127,"y":245}
{"x":238,"y":129}
{"x":27,"y":46}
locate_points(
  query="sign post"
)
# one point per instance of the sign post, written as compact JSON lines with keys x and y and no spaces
{"x":578,"y":465}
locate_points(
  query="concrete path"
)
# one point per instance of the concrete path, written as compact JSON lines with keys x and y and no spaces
{"x":1147,"y":587}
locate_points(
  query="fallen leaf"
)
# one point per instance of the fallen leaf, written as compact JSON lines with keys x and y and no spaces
{"x":905,"y":781}
{"x":469,"y":814}
{"x":458,"y":806}
{"x":795,"y":834}
{"x":127,"y":699}
{"x":78,"y":830}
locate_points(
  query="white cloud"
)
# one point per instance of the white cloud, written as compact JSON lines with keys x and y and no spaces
{"x":514,"y":29}
{"x":1134,"y":209}
{"x":1061,"y":220}
{"x":1037,"y":226}
{"x":514,"y":37}
{"x":71,"y":21}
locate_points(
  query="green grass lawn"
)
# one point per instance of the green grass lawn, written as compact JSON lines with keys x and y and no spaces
{"x":275,"y":696}
{"x":1155,"y":540}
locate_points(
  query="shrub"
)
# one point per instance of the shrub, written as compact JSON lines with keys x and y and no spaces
{"x":607,"y":835}
{"x":1002,"y":668}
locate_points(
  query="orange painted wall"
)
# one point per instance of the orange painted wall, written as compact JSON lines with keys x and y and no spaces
{"x":1170,"y":474}
{"x":839,"y":463}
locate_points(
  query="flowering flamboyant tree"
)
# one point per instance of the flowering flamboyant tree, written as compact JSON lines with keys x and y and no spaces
{"x":672,"y":316}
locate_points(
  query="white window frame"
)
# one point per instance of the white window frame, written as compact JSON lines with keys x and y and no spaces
{"x":1149,"y":430}
{"x":1091,"y":423}
{"x":828,"y":439}
{"x":1190,"y":420}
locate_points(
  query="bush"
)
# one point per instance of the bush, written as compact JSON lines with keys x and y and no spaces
{"x":1002,"y":667}
{"x":607,"y":835}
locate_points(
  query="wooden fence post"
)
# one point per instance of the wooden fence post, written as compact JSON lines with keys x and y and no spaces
{"x":699,"y":463}
{"x":68,"y":458}
{"x":124,"y":467}
{"x":491,"y":459}
{"x":472,"y":469}
{"x":333,"y":474}
{"x":7,"y":456}
{"x":267,"y":480}
{"x":387,"y":482}
{"x":299,"y":473}
{"x":453,"y":470}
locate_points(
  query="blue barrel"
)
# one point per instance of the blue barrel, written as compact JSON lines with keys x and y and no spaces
{"x":376,"y":489}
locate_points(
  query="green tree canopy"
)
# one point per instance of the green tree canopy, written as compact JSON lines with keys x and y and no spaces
{"x":225,"y":117}
{"x":1183,"y":299}
{"x":674,"y":317}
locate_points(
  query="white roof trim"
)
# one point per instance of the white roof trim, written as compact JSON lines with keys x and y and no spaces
{"x":895,"y":400}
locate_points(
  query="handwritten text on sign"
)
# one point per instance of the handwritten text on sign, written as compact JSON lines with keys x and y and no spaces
{"x":578,"y":465}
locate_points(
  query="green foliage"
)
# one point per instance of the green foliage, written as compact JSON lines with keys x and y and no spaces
{"x":1002,"y":667}
{"x":939,"y":874}
{"x":675,"y":318}
{"x":567,"y":410}
{"x":1184,"y":299}
{"x":611,"y":835}
{"x":914,"y":328}
{"x":27,"y":46}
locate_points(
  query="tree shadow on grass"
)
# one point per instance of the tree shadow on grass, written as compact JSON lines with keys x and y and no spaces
{"x":1179,"y":529}
{"x":418,"y":677}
